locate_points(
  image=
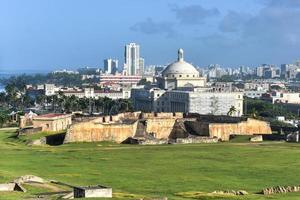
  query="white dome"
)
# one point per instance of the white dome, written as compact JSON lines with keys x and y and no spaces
{"x":180,"y":67}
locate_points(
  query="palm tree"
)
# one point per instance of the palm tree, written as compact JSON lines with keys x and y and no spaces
{"x":231,"y":111}
{"x":3,"y":98}
{"x":3,"y":117}
{"x":12,"y":94}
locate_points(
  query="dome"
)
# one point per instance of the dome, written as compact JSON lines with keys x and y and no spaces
{"x":180,"y":67}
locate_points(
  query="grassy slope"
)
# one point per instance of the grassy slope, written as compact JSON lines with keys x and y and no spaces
{"x":157,"y":170}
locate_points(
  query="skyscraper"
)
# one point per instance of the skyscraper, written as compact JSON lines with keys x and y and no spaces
{"x":110,"y":66}
{"x":141,"y":66}
{"x":133,"y":62}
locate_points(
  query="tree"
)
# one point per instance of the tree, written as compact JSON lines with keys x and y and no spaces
{"x":3,"y":99}
{"x":144,"y":81}
{"x":3,"y":117}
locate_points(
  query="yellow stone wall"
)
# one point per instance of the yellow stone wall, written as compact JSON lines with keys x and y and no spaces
{"x":94,"y":131}
{"x":161,"y":128}
{"x":249,"y":127}
{"x":52,"y":124}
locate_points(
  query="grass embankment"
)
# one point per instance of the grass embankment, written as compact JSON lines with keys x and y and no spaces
{"x":31,"y":137}
{"x":175,"y":171}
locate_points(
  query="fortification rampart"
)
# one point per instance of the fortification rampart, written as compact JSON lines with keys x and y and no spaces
{"x":161,"y":126}
{"x":94,"y":131}
{"x":249,"y":127}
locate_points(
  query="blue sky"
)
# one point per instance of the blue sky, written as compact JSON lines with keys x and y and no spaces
{"x":52,"y":34}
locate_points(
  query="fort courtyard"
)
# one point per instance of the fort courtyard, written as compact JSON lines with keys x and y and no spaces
{"x":179,"y":171}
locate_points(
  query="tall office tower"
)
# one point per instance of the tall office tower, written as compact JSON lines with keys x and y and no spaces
{"x":141,"y":66}
{"x":132,"y":59}
{"x":110,"y":66}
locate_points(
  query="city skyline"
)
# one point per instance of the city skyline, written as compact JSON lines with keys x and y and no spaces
{"x":52,"y":35}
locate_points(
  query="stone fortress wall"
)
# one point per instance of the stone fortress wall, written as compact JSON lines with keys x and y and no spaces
{"x":95,"y":130}
{"x":249,"y":127}
{"x":160,"y":126}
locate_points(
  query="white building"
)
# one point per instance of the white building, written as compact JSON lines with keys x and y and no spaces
{"x":142,"y":65}
{"x":181,"y":89}
{"x":180,"y":74}
{"x":201,"y":101}
{"x":65,"y":71}
{"x":215,"y":71}
{"x":254,"y":93}
{"x":285,"y":97}
{"x":111,"y":66}
{"x":257,"y":85}
{"x":92,"y":93}
{"x":119,"y":79}
{"x":133,"y":60}
{"x":49,"y":89}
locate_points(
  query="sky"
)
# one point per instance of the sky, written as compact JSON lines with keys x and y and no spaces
{"x":42,"y":35}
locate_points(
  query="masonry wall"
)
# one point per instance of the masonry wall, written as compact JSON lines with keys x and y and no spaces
{"x":52,"y":124}
{"x":111,"y":129}
{"x":249,"y":127}
{"x":161,"y":128}
{"x":94,"y":131}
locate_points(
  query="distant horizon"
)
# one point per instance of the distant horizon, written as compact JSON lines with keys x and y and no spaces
{"x":36,"y":70}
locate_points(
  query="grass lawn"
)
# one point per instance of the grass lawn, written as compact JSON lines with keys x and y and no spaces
{"x":174,"y":171}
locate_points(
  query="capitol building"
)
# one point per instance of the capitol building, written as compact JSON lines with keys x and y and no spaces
{"x":180,"y":88}
{"x":180,"y":74}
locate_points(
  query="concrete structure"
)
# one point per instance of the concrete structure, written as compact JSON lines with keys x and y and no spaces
{"x":259,"y":85}
{"x":215,"y":71}
{"x":49,"y":89}
{"x":92,"y":191}
{"x":254,"y":94}
{"x":132,"y":60}
{"x":290,"y":71}
{"x":110,"y":66}
{"x":119,"y":79}
{"x":267,"y":71}
{"x":142,"y":66}
{"x":200,"y":100}
{"x":92,"y":93}
{"x":283,"y":97}
{"x":10,"y":187}
{"x":52,"y":121}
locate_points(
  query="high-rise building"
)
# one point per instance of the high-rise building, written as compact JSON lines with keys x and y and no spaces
{"x":110,"y":66}
{"x":141,"y":66}
{"x":133,"y":61}
{"x":267,"y":71}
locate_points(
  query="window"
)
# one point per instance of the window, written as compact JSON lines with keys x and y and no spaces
{"x":180,"y":75}
{"x":187,"y":75}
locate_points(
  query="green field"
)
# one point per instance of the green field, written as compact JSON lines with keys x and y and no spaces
{"x":173,"y":171}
